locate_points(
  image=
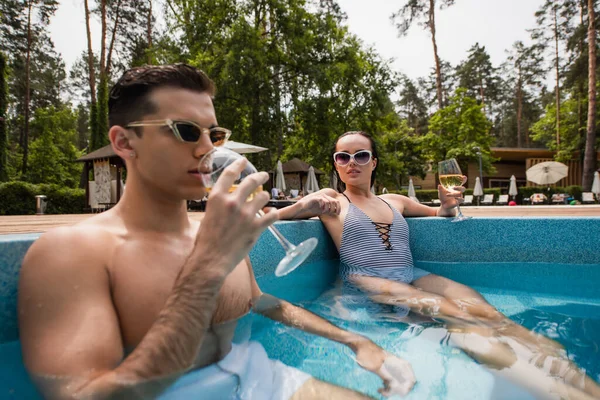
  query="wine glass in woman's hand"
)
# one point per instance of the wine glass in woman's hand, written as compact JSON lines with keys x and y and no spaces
{"x":451,"y":176}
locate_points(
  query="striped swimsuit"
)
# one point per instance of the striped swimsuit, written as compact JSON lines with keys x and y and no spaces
{"x":376,"y":249}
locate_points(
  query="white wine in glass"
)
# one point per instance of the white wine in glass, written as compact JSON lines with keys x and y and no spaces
{"x":234,"y":187}
{"x":220,"y":158}
{"x":451,"y":176}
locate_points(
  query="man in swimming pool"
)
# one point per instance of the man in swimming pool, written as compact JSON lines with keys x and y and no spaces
{"x":124,"y":303}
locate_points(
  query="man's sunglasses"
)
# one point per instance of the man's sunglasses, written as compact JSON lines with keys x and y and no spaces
{"x":362,"y":157}
{"x":187,"y":131}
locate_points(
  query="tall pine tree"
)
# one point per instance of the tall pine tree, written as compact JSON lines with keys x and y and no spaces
{"x":424,"y":12}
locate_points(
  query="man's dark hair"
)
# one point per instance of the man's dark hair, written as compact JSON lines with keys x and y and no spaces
{"x":129,"y":98}
{"x":341,"y":186}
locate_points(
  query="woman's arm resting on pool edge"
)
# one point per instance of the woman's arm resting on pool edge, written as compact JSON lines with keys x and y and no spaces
{"x":447,"y":207}
{"x":323,"y":202}
{"x":70,"y":331}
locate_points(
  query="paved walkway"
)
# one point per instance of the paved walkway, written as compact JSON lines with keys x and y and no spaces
{"x":40,"y":223}
{"x":588,"y":210}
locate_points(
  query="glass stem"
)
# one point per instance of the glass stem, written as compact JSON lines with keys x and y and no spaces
{"x":287,"y":246}
{"x":460,"y":214}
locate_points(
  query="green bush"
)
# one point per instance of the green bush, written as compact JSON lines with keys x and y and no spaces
{"x":18,"y":198}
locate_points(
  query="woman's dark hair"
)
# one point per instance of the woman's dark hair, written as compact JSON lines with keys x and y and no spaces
{"x":129,"y":99}
{"x":341,"y":186}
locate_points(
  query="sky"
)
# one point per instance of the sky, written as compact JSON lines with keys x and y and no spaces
{"x":495,"y":24}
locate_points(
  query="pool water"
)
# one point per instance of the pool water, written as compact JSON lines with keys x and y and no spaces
{"x":561,"y":302}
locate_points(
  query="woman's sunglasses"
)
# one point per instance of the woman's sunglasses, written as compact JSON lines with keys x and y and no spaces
{"x":187,"y":131}
{"x":362,"y":157}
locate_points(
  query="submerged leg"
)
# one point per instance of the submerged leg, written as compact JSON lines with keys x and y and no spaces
{"x":480,"y":339}
{"x":394,"y":293}
{"x":514,"y":366}
{"x":544,"y":353}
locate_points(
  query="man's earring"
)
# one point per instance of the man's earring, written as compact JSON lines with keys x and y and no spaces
{"x":132,"y":154}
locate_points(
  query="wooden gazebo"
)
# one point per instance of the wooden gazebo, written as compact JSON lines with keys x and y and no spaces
{"x":295,"y":172}
{"x":104,"y":153}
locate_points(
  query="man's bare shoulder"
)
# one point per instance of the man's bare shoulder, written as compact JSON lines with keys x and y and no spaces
{"x":85,"y":243}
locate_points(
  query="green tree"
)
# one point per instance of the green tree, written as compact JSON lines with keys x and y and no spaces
{"x":401,"y":156}
{"x":479,"y":77}
{"x":524,"y":71}
{"x":589,"y":158}
{"x":23,"y":31}
{"x":53,"y":151}
{"x":3,"y":116}
{"x":544,"y":130}
{"x":83,"y":126}
{"x":575,"y":75}
{"x":462,"y":126}
{"x":78,"y":84}
{"x":122,"y":22}
{"x":289,"y":76}
{"x":424,"y":12}
{"x":45,"y":8}
{"x":413,"y":107}
{"x":553,"y":25}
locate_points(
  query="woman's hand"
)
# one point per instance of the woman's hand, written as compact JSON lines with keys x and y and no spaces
{"x":319,"y":204}
{"x":449,"y":199}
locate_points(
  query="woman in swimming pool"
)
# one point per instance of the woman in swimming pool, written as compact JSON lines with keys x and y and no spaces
{"x":371,"y":236}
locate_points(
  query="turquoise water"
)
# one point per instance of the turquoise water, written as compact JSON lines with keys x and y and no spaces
{"x":560,"y":301}
{"x":559,"y":304}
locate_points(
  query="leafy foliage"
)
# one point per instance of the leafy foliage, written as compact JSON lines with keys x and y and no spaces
{"x":18,"y":198}
{"x":290,"y":77}
{"x":52,"y":149}
{"x":457,"y":129}
{"x":3,"y":107}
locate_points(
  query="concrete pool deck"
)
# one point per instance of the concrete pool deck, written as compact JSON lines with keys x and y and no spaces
{"x":13,"y":224}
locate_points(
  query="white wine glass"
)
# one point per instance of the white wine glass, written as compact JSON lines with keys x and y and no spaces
{"x":451,"y":176}
{"x":215,"y":163}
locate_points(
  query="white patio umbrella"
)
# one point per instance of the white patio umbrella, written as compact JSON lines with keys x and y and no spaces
{"x":243,"y":148}
{"x":334,"y":181}
{"x":547,"y":173}
{"x":512,"y":190}
{"x":478,"y":190}
{"x":279,"y":178}
{"x":311,"y":181}
{"x":596,"y":184}
{"x":411,"y":189}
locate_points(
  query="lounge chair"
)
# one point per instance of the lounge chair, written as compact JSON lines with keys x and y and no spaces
{"x":468,"y":200}
{"x":436,"y":202}
{"x":502,"y":200}
{"x":559,"y":198}
{"x":538,"y":198}
{"x":587,"y":198}
{"x":488,"y":199}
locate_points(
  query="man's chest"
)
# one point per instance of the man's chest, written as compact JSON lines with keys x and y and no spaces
{"x":142,"y":285}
